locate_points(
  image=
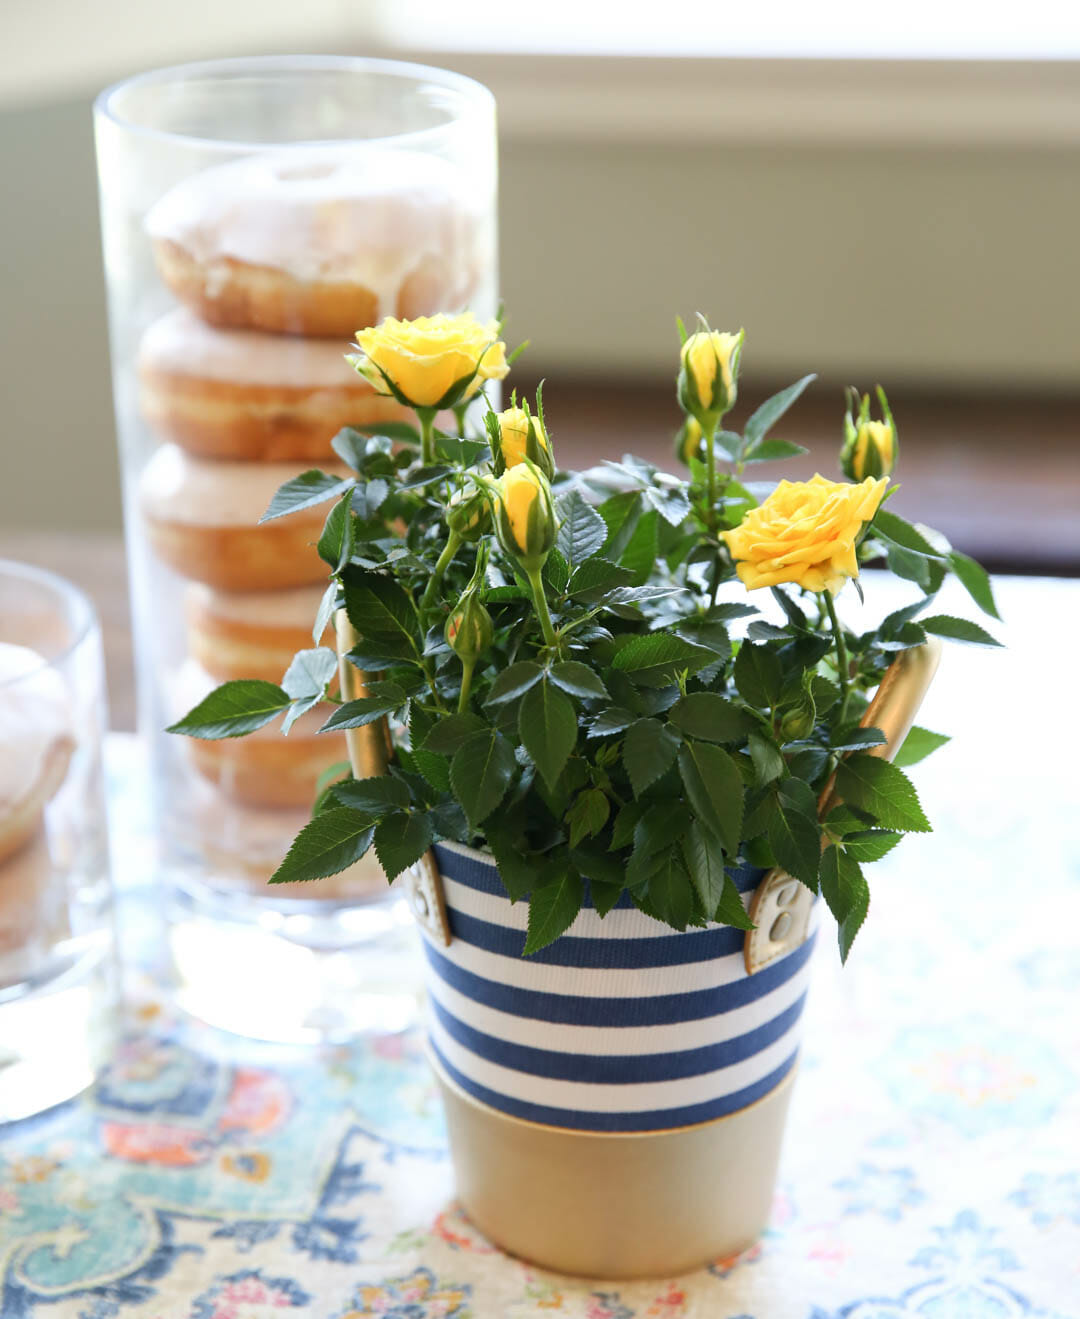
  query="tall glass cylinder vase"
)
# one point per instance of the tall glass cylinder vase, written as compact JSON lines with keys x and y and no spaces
{"x":255,"y":214}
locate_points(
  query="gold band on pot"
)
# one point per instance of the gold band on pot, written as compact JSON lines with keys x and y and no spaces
{"x":616,"y":1205}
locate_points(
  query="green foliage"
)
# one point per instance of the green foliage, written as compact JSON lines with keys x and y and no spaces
{"x":632,"y":721}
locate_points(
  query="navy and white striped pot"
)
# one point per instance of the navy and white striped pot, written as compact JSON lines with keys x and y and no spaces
{"x":615,"y":1102}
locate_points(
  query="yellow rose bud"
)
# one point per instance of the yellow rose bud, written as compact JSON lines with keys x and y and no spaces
{"x":870,"y":447}
{"x":468,"y":514}
{"x":524,"y":515}
{"x":433,"y":361}
{"x":469,"y":629}
{"x":806,"y":533}
{"x":518,"y":435}
{"x":709,"y":375}
{"x":688,"y":440}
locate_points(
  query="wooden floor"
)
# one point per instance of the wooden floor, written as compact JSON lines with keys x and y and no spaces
{"x":1001,"y":479}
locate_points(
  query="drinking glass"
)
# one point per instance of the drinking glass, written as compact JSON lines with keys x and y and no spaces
{"x":58,"y":982}
{"x":255,"y":214}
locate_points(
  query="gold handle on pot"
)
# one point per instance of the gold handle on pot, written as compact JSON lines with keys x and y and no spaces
{"x":782,"y":905}
{"x":370,"y":750}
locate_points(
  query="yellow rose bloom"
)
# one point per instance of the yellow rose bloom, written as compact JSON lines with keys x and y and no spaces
{"x":424,"y":359}
{"x":805,"y":533}
{"x":524,"y":515}
{"x":709,"y":360}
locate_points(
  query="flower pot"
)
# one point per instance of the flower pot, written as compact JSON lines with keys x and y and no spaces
{"x":615,"y":1103}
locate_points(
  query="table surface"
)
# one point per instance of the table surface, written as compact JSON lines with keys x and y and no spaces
{"x":931,"y":1168}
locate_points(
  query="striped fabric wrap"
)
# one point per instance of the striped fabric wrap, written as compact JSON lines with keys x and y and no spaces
{"x":620,"y":1025}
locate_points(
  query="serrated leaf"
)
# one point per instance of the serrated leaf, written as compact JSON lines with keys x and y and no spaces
{"x":643,"y":548}
{"x":758,"y":675}
{"x":612,"y":720}
{"x":883,"y":789}
{"x":552,"y":910}
{"x":795,"y":839}
{"x":715,"y":888}
{"x":596,"y":576}
{"x":711,"y":718}
{"x":401,"y":840}
{"x":547,"y":725}
{"x":604,"y":896}
{"x":367,"y":709}
{"x":762,"y":631}
{"x":374,"y":796}
{"x":958,"y":629}
{"x":306,"y":679}
{"x":480,"y":773}
{"x":337,"y":540}
{"x":649,"y":749}
{"x":771,"y":451}
{"x":513,"y":682}
{"x":582,"y":530}
{"x":327,"y":607}
{"x":714,"y":788}
{"x":976,"y":581}
{"x":847,"y":893}
{"x":423,"y":476}
{"x":578,"y":679}
{"x":895,"y":528}
{"x":626,"y":822}
{"x":670,"y":895}
{"x":587,"y":815}
{"x":918,"y":744}
{"x":519,"y":873}
{"x":447,"y":735}
{"x":233,"y":709}
{"x":304,"y":491}
{"x":770,"y":412}
{"x":654,"y":660}
{"x":377,"y":606}
{"x":856,"y":739}
{"x":867,"y":845}
{"x":670,"y":501}
{"x":556,"y":573}
{"x":330,"y":843}
{"x":767,"y":760}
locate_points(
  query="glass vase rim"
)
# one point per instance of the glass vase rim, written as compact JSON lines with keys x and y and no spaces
{"x":83,"y":613}
{"x":474,"y":97}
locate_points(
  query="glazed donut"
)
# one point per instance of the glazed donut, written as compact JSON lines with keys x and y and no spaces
{"x":36,"y":742}
{"x":202,"y":520}
{"x":265,"y":768}
{"x":319,"y":240}
{"x":250,"y":634}
{"x":242,"y":394}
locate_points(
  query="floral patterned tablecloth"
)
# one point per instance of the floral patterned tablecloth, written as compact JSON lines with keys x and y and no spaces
{"x":932,"y":1165}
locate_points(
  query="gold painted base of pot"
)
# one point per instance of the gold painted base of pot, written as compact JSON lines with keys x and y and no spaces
{"x":615,"y":1206}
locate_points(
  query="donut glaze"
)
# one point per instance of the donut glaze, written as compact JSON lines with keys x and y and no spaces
{"x":319,"y":240}
{"x":202,"y":520}
{"x":241,"y":394}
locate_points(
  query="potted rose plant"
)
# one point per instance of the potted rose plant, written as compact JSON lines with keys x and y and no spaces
{"x":632,"y":743}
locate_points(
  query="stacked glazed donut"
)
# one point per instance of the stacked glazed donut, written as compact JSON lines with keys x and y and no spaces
{"x":276,"y":260}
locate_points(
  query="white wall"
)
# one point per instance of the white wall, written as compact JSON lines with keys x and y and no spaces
{"x":916,"y":222}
